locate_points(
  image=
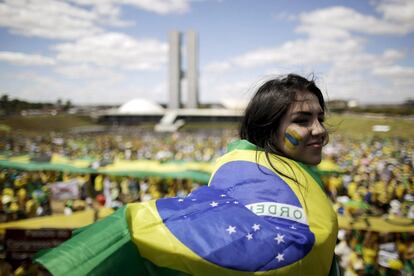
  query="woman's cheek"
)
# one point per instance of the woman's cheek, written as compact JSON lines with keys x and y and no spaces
{"x":293,"y":138}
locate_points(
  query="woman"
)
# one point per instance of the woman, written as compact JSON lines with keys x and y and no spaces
{"x":263,"y":212}
{"x":267,"y":171}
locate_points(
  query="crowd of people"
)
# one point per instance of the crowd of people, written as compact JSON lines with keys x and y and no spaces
{"x":373,"y":177}
{"x":188,"y":146}
{"x":32,"y":194}
{"x":362,"y":252}
{"x":24,"y":194}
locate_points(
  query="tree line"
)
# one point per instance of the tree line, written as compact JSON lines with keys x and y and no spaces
{"x":15,"y":106}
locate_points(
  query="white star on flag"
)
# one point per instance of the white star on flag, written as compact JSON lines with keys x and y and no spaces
{"x":279,"y":257}
{"x":256,"y":227}
{"x":236,"y":202}
{"x":213,"y":204}
{"x":227,"y":201}
{"x":180,"y":200}
{"x":223,"y":195}
{"x":293,"y":227}
{"x":249,"y":236}
{"x":280,"y":238}
{"x":231,"y":229}
{"x":193,"y":199}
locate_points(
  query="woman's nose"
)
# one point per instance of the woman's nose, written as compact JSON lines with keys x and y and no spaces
{"x":317,"y":128}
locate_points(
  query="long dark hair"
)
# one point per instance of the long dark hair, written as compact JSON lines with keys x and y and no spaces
{"x":266,"y":109}
{"x":268,"y":106}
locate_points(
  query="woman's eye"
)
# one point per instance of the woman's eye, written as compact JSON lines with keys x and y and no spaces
{"x":300,"y":121}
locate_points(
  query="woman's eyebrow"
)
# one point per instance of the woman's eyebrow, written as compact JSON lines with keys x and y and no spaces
{"x":303,"y":113}
{"x":307,"y":113}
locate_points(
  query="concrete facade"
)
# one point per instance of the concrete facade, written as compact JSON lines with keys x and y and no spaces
{"x":174,"y":70}
{"x":192,"y":70}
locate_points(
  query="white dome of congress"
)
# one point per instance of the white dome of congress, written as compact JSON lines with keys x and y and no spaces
{"x":140,"y":105}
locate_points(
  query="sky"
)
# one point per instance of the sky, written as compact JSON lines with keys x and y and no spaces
{"x":112,"y":51}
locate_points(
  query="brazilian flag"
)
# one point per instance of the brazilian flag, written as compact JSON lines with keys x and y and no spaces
{"x":258,"y":216}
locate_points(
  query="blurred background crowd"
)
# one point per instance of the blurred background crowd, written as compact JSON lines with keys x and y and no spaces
{"x":375,"y":179}
{"x":195,"y":145}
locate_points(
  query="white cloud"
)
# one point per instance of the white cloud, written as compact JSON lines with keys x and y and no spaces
{"x":335,"y":41}
{"x":392,"y":55}
{"x":57,"y":19}
{"x":157,"y":6}
{"x":115,"y":50}
{"x":34,"y":87}
{"x":323,"y":32}
{"x":369,"y":88}
{"x":40,"y":88}
{"x":256,"y":58}
{"x":350,"y":87}
{"x":161,"y":6}
{"x":25,"y":59}
{"x":238,"y":89}
{"x":221,"y":88}
{"x":109,"y":14}
{"x":299,"y":52}
{"x":397,"y":74}
{"x":84,"y":71}
{"x":159,"y":92}
{"x":331,"y":39}
{"x":396,"y":17}
{"x":216,"y":67}
{"x":47,"y":18}
{"x":347,"y":19}
{"x":401,"y":11}
{"x":113,"y":93}
{"x":358,"y":76}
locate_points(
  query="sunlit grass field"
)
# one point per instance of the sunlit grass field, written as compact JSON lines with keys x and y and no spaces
{"x":44,"y":124}
{"x":360,"y":126}
{"x":350,"y":125}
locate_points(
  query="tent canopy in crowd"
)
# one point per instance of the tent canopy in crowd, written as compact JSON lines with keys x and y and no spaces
{"x":197,"y":171}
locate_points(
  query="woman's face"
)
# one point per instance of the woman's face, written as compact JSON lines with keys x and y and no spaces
{"x":301,"y":135}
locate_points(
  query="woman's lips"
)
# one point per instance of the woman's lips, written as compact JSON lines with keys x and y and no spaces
{"x":315,"y":145}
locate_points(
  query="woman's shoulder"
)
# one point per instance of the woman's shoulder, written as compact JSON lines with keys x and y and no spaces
{"x":245,"y":160}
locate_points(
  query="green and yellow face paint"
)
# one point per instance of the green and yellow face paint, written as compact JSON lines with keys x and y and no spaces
{"x":292,"y":138}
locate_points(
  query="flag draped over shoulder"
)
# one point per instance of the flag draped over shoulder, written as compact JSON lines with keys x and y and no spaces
{"x":253,"y":219}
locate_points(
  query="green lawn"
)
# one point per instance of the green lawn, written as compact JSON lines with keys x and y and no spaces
{"x":356,"y":126}
{"x":41,"y":124}
{"x":359,"y":126}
